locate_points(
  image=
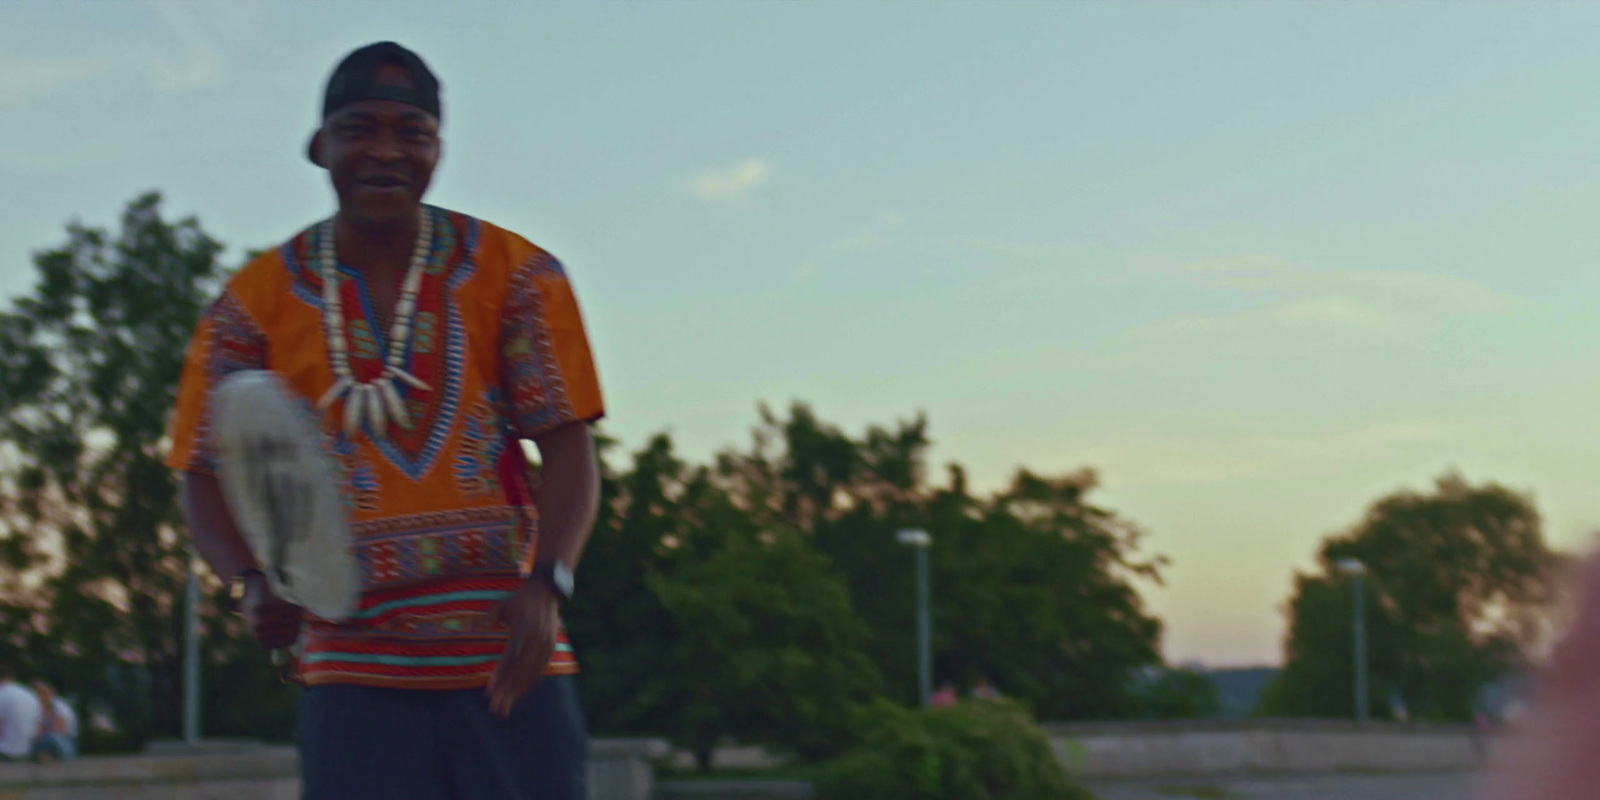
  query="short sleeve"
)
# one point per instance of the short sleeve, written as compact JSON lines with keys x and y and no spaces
{"x":226,"y":340}
{"x":548,"y":372}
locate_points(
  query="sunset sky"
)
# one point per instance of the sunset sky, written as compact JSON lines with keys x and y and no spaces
{"x":1256,"y":263}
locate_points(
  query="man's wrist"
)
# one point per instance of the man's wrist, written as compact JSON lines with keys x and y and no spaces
{"x":555,"y":576}
{"x":239,"y":587}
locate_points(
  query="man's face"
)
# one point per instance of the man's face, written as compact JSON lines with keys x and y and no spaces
{"x":381,"y":155}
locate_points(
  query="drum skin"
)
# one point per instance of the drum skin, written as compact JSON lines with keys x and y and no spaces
{"x":282,"y":488}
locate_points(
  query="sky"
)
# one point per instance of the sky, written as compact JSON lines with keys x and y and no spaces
{"x":1258,"y":264}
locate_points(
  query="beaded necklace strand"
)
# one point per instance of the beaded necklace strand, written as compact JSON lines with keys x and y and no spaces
{"x":376,"y":401}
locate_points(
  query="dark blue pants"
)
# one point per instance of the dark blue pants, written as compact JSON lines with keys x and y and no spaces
{"x":366,"y":743}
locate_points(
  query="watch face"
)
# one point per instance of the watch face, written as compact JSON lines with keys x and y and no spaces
{"x":562,"y":578}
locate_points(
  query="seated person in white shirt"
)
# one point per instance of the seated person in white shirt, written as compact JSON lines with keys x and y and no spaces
{"x":19,"y":717}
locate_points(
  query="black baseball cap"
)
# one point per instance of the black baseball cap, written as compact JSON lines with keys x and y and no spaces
{"x":354,"y":80}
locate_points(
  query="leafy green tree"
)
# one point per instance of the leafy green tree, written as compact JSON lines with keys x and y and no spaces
{"x":1033,"y":587}
{"x":1458,"y":588}
{"x":1036,"y":593}
{"x":94,"y":551}
{"x":766,"y":646}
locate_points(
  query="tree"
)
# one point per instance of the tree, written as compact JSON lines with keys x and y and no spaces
{"x":766,"y":646}
{"x":1037,"y":593}
{"x":93,"y":542}
{"x":1034,"y":587}
{"x":696,"y":623}
{"x":1458,"y":586}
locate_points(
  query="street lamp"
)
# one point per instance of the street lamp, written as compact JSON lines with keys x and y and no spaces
{"x":1357,"y":571}
{"x":191,"y":652}
{"x":921,"y":541}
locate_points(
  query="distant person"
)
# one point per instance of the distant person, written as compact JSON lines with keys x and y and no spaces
{"x":985,"y":691}
{"x":57,"y":739}
{"x":945,"y":697}
{"x":19,"y":717}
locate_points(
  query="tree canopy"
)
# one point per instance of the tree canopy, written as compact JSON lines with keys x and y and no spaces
{"x":1458,"y":585}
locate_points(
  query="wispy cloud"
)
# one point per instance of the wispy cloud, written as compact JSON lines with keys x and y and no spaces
{"x":1294,"y":296}
{"x":25,"y":79}
{"x":873,"y":236}
{"x":1145,"y":460}
{"x":197,"y":61}
{"x":200,"y":32}
{"x":732,"y":181}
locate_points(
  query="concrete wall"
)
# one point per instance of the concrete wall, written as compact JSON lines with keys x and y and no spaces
{"x":618,"y":770}
{"x":1139,"y":749}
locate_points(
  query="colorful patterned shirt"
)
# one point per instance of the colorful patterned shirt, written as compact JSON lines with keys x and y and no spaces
{"x":440,"y":533}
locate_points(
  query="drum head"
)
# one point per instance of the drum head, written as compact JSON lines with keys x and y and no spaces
{"x":283,"y":489}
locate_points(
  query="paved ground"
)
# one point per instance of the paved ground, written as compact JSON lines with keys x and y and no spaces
{"x":1411,"y":786}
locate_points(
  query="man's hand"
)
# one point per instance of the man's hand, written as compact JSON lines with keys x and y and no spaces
{"x":274,"y":621}
{"x":533,"y":615}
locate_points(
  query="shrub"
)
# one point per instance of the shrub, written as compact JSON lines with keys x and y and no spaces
{"x":985,"y":750}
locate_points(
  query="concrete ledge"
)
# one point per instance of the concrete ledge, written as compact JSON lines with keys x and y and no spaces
{"x":619,"y":769}
{"x":262,"y":762}
{"x":1123,"y":750}
{"x":733,"y":790}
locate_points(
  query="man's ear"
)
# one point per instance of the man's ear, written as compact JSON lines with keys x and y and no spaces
{"x":314,"y":149}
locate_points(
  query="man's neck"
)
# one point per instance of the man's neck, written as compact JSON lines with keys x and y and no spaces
{"x":375,"y":249}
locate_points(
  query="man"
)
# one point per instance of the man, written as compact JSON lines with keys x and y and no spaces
{"x":429,"y":344}
{"x":19,"y":717}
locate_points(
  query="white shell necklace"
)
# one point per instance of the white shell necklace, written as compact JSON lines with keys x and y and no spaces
{"x":378,"y":401}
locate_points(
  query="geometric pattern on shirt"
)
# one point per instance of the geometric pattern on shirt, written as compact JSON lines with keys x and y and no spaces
{"x":436,"y":352}
{"x":531,"y":373}
{"x":396,"y":551}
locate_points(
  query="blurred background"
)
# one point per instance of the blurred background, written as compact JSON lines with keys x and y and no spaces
{"x":1148,"y":313}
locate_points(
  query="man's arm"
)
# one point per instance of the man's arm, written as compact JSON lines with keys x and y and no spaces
{"x":211,"y":524}
{"x":570,"y":492}
{"x":567,"y":502}
{"x":216,"y":535}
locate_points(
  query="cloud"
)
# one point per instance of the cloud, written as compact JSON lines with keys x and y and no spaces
{"x":730,"y":182}
{"x":25,"y":79}
{"x":871,"y":237}
{"x":1188,"y":460}
{"x":202,"y":31}
{"x":1292,"y":296}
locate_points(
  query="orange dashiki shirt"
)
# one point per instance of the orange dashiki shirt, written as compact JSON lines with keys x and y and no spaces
{"x":442,"y":523}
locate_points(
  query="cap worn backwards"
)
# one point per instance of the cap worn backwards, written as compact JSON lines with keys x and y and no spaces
{"x":356,"y":79}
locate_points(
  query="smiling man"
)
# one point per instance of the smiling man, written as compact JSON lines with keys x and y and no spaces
{"x":430,"y":344}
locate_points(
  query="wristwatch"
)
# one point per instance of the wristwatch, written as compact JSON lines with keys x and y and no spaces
{"x":555,"y":575}
{"x":237,"y":586}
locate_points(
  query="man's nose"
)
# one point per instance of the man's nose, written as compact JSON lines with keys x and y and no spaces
{"x":385,"y":147}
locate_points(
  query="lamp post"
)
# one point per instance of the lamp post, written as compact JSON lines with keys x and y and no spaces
{"x":191,"y":654}
{"x":921,"y":541}
{"x":1357,"y":572}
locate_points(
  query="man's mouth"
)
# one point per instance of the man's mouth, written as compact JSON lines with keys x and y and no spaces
{"x":384,"y":182}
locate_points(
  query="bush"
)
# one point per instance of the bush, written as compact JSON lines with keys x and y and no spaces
{"x":984,"y":750}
